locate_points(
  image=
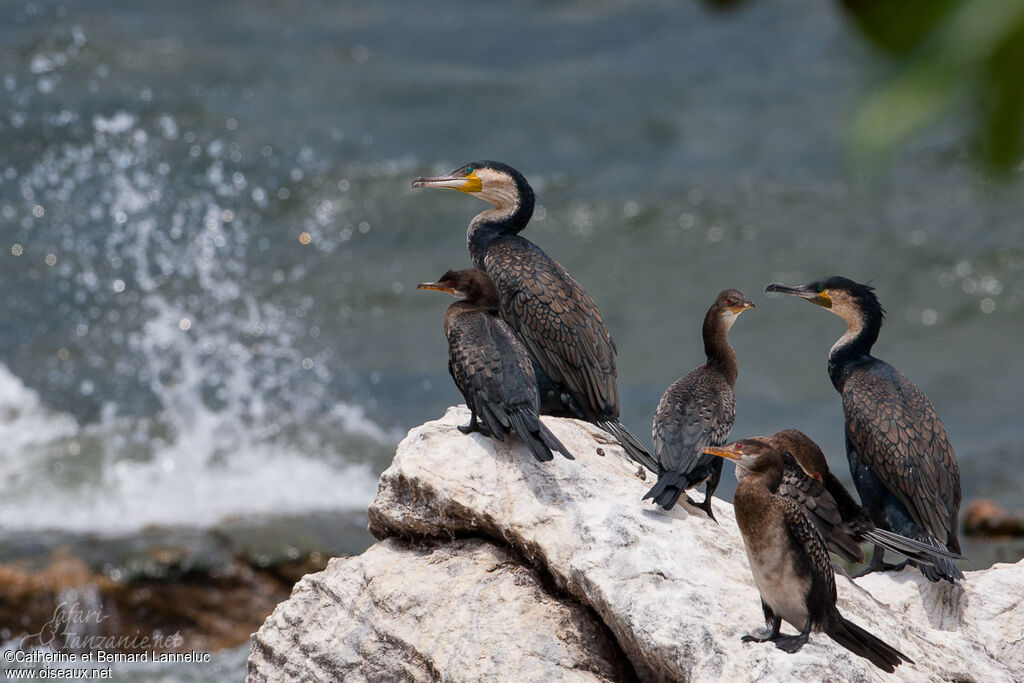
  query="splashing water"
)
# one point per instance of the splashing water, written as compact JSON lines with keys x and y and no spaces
{"x":170,"y":375}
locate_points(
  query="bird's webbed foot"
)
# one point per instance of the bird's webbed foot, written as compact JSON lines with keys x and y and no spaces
{"x":878,"y":564}
{"x":772,"y":634}
{"x":706,"y":507}
{"x":791,"y":644}
{"x":881,"y":567}
{"x":474,"y":426}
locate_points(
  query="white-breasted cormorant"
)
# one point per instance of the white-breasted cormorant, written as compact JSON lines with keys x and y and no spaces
{"x":489,"y":365}
{"x":791,"y":566}
{"x":900,"y":456}
{"x":698,"y":410}
{"x":553,"y":316}
{"x":807,"y":480}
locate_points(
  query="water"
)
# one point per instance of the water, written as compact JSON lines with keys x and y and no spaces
{"x":210,"y":248}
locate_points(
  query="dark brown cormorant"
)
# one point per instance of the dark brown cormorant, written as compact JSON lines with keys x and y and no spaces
{"x":791,"y":566}
{"x":489,"y":365}
{"x":807,"y":480}
{"x":553,"y":316}
{"x":900,"y":456}
{"x":698,"y":410}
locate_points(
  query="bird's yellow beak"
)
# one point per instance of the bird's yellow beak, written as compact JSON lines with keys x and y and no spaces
{"x":468,"y":183}
{"x":819,"y":298}
{"x":733,"y":453}
{"x":739,"y":308}
{"x":437,"y":287}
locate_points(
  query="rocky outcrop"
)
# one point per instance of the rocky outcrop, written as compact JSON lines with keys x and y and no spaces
{"x":465,"y":610}
{"x":673,"y":589}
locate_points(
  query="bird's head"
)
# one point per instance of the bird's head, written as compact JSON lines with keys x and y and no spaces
{"x":806,"y":453}
{"x":840,"y":295}
{"x":753,"y":455}
{"x":470,"y":285}
{"x":502,"y":186}
{"x":854,"y":302}
{"x":729,"y":304}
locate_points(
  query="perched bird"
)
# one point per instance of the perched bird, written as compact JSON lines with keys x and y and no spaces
{"x":791,"y":565}
{"x":698,"y":410}
{"x":806,"y":480}
{"x":553,"y":316}
{"x":489,"y":365}
{"x":901,"y":459}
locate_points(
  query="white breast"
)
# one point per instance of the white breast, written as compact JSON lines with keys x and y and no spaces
{"x":781,"y":587}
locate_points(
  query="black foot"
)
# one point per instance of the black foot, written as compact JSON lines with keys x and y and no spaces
{"x":474,"y":426}
{"x":706,"y":507}
{"x":757,"y":639}
{"x":791,"y":644}
{"x":881,"y":567}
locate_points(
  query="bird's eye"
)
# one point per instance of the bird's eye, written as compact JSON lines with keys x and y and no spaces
{"x":469,"y":170}
{"x":730,"y":302}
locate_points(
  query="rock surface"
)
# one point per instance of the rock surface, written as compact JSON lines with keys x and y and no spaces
{"x":447,"y":612}
{"x":674,"y":589}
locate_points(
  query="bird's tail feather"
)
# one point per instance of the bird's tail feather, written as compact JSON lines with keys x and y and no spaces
{"x":526,"y":425}
{"x":943,"y":568}
{"x":929,"y":553}
{"x":493,"y":421}
{"x":552,"y":441}
{"x":860,"y":642}
{"x":634,"y":449}
{"x":668,"y":489}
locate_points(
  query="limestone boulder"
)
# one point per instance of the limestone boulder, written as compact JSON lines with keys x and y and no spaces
{"x":673,"y":588}
{"x":460,"y":611}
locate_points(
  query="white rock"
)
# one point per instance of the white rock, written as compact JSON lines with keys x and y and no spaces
{"x":675,"y":588}
{"x":465,"y":610}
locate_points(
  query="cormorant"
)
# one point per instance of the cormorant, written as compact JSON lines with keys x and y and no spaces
{"x":489,"y":365}
{"x":791,"y":567}
{"x":553,"y":316}
{"x":807,"y":480}
{"x":900,"y":456}
{"x":698,"y":410}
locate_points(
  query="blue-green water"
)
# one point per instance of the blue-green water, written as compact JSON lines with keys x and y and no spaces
{"x":173,"y":354}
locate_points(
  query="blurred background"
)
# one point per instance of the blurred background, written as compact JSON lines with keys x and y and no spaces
{"x":210,"y":337}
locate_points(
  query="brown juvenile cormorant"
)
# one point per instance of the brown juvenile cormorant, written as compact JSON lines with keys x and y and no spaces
{"x":698,"y":410}
{"x":553,"y":316}
{"x":489,"y":365}
{"x":791,"y":567}
{"x":807,"y":480}
{"x":900,"y":456}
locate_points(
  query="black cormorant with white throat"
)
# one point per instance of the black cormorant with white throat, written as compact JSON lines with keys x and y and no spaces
{"x":791,"y":566}
{"x":698,"y":410}
{"x":489,"y":365}
{"x":553,"y":316}
{"x":900,"y":456}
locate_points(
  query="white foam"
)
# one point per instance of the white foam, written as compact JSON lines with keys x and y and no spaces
{"x":193,"y":479}
{"x":25,"y":422}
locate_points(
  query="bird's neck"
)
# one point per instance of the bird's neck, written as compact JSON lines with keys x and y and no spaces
{"x":853,"y":348}
{"x":753,"y":493}
{"x":509,"y":215}
{"x":720,"y":355}
{"x":457,"y":308}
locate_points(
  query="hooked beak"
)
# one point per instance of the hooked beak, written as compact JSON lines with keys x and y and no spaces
{"x":731,"y":453}
{"x":819,"y":298}
{"x":746,"y":305}
{"x":437,"y":287}
{"x":452,"y":181}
